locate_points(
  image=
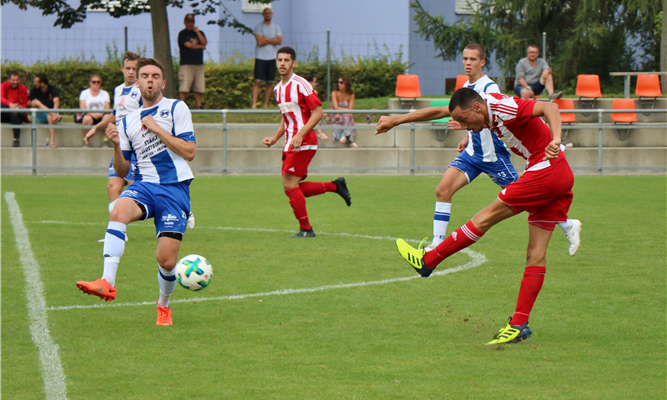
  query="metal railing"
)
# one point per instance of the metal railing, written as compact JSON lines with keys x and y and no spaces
{"x":413,"y":127}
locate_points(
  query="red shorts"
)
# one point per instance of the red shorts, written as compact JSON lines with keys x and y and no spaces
{"x":546,"y":194}
{"x":296,"y":162}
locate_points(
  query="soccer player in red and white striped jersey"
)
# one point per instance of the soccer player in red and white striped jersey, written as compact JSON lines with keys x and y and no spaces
{"x":544,"y":190}
{"x":301,"y":110}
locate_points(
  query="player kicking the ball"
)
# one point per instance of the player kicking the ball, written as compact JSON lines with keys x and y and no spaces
{"x":481,"y":152}
{"x":161,"y":136}
{"x":544,"y":190}
{"x":301,"y":111}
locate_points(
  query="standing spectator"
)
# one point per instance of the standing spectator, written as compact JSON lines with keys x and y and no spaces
{"x":14,"y":95}
{"x":312,"y":79}
{"x":191,"y":44}
{"x":268,"y":37}
{"x":533,"y":75}
{"x":93,"y":98}
{"x":342,"y":98}
{"x":46,"y":96}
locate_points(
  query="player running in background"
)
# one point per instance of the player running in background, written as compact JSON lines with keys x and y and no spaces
{"x":301,"y":111}
{"x":161,"y":136}
{"x":481,"y":152}
{"x":544,"y":190}
{"x":126,"y":98}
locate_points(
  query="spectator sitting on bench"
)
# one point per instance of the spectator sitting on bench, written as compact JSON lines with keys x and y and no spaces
{"x":93,"y":98}
{"x":14,"y":96}
{"x":47,"y":97}
{"x":533,"y":75}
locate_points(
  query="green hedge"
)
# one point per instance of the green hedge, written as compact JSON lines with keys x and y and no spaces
{"x":228,"y":84}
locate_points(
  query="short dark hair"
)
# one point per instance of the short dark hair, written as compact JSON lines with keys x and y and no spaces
{"x":533,"y":45}
{"x":42,"y":78}
{"x":129,"y":56}
{"x":143,"y":61}
{"x":464,"y":98}
{"x":287,"y":50}
{"x":309,"y":77}
{"x":12,"y":73}
{"x":479,"y":48}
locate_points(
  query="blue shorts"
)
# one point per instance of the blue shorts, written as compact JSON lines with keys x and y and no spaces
{"x":168,"y":205}
{"x":130,"y":175}
{"x":501,"y":171}
{"x":41,"y":118}
{"x":537,"y":87}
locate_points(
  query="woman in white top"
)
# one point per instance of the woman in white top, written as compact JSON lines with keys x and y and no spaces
{"x":343,"y":99}
{"x":93,"y":98}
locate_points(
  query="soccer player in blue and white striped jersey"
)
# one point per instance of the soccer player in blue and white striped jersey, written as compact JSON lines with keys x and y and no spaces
{"x":160,"y":134}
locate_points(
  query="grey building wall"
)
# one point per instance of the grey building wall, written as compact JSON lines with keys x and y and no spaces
{"x":432,"y":70}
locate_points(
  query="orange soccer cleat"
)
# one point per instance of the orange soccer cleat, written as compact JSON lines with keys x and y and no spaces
{"x":99,"y":288}
{"x":163,"y":315}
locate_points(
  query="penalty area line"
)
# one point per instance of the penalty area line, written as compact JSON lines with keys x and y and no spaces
{"x":52,"y":370}
{"x":477,"y":259}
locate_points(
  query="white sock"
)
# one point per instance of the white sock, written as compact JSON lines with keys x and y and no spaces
{"x":167,"y":281}
{"x":440,"y":221}
{"x":565,"y":226}
{"x":114,"y":246}
{"x":112,"y":204}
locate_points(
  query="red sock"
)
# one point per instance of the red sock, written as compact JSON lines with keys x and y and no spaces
{"x":298,"y":203}
{"x":458,"y":240}
{"x":314,"y":188}
{"x":531,"y":284}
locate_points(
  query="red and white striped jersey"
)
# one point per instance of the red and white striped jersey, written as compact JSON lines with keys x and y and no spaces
{"x":297,"y":100}
{"x":512,"y":120}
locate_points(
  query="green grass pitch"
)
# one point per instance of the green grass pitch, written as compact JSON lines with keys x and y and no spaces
{"x":599,"y":322}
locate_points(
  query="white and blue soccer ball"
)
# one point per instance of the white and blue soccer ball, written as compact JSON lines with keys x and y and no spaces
{"x":194,"y":272}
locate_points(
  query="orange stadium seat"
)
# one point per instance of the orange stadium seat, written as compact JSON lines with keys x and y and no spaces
{"x":566,"y":118}
{"x":460,"y":81}
{"x":624,"y":118}
{"x":407,"y":86}
{"x":648,"y":86}
{"x":588,"y":86}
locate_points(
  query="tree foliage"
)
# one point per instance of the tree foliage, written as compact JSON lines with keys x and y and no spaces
{"x":67,"y":16}
{"x":583,"y":36}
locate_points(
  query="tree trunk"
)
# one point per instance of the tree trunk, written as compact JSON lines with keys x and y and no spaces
{"x":663,"y":47}
{"x":162,"y":45}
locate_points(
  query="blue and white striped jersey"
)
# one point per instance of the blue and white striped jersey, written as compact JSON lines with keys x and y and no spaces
{"x":485,"y":144}
{"x":155,"y":162}
{"x":125,"y":100}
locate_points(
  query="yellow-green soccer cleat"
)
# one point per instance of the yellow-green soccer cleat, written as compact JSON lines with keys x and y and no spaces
{"x":512,"y":333}
{"x":414,"y":257}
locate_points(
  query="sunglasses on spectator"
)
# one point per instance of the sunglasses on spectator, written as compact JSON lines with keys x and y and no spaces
{"x":95,"y":82}
{"x":341,"y":82}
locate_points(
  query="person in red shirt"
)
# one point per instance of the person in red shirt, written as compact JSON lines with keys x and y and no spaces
{"x":14,"y":96}
{"x":301,"y":110}
{"x":544,"y":189}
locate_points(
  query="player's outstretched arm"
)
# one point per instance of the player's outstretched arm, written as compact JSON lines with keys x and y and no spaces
{"x":550,"y":112}
{"x":425,"y":114}
{"x":270,"y":141}
{"x":120,"y":164}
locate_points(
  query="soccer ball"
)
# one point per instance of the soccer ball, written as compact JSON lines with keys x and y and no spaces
{"x":194,"y":272}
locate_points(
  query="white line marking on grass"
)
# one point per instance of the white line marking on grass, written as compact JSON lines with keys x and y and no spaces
{"x":52,"y":370}
{"x":477,"y":260}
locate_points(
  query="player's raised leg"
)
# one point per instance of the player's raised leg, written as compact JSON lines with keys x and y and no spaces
{"x":339,"y":186}
{"x":517,"y":328}
{"x":125,"y":211}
